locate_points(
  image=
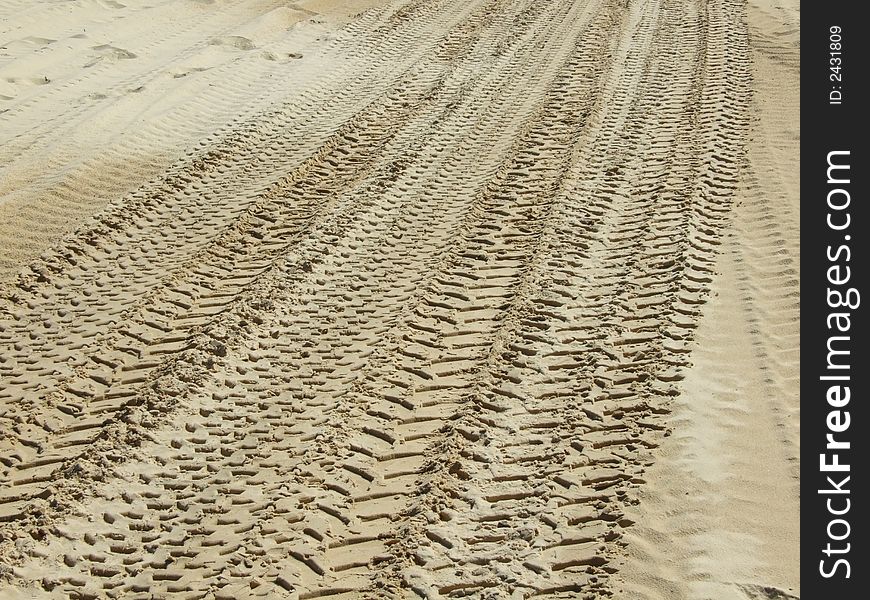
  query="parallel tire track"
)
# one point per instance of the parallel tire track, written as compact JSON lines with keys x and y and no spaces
{"x":422,"y":351}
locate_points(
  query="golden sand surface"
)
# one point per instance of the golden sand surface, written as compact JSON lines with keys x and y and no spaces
{"x":399,"y":299}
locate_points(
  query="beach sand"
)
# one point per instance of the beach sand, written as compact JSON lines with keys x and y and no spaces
{"x":411,"y":299}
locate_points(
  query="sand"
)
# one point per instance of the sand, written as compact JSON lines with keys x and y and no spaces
{"x":719,"y":516}
{"x":98,"y":97}
{"x":433,"y":299}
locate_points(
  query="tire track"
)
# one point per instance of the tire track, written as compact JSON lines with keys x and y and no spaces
{"x":428,"y":351}
{"x":358,"y":58}
{"x":567,"y":410}
{"x":193,"y":296}
{"x":186,"y":197}
{"x":732,"y":464}
{"x":159,"y":320}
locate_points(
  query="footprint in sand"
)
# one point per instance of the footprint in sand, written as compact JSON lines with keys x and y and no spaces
{"x":28,"y":44}
{"x":27,"y":81}
{"x":38,"y":41}
{"x":233,"y":41}
{"x":759,"y":592}
{"x":275,"y":57}
{"x":12,"y":87}
{"x":178,"y":74}
{"x":106,"y":52}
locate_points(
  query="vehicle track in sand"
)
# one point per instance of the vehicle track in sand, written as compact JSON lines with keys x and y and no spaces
{"x":718,"y":515}
{"x":408,"y":333}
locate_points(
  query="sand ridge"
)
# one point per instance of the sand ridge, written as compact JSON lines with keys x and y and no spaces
{"x":410,"y":325}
